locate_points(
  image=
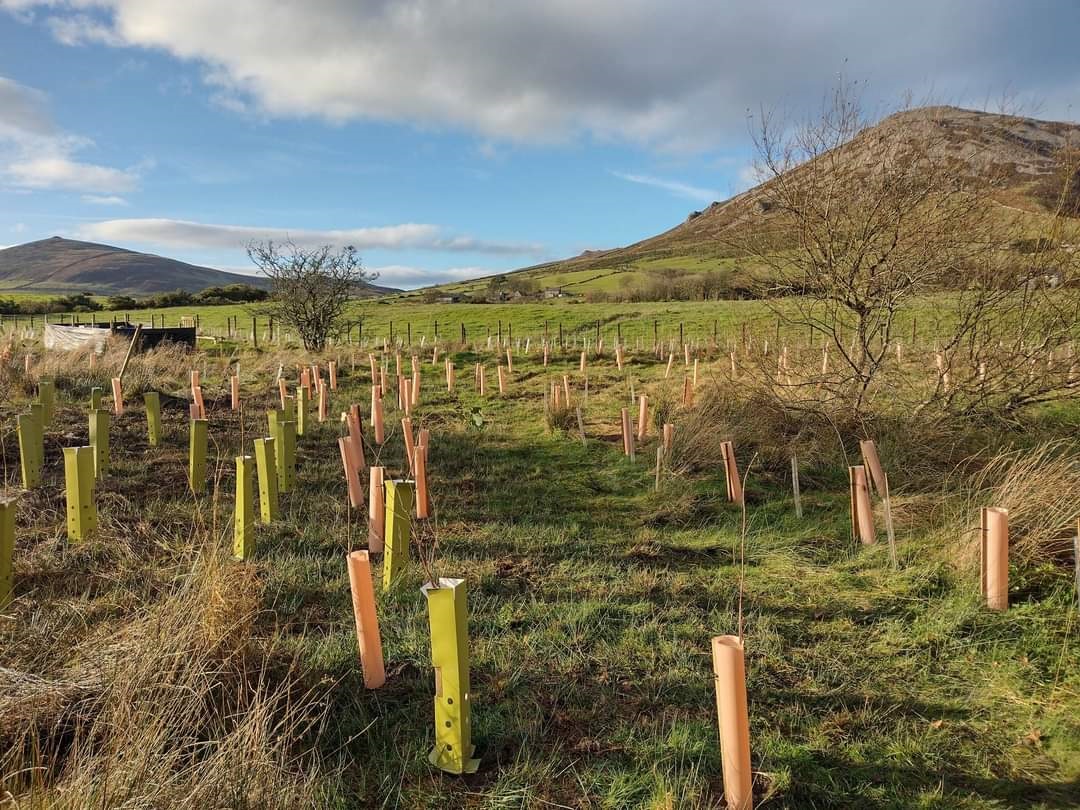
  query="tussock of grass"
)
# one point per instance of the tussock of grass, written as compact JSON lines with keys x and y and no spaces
{"x":1041,"y":489}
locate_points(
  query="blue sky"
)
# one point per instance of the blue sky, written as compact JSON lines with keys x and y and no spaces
{"x":453,"y":140}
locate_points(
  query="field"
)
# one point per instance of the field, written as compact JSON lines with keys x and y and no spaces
{"x":637,"y":324}
{"x":145,"y":667}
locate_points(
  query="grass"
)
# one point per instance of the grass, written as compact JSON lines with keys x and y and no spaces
{"x":638,"y":323}
{"x":592,"y":598}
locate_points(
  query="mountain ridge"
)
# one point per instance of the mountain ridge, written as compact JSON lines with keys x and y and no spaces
{"x":1023,"y":150}
{"x":57,"y":265}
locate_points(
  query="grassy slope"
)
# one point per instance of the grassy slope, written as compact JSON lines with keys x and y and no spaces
{"x":591,"y":602}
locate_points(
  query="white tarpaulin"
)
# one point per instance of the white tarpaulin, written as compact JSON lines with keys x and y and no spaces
{"x":75,"y":337}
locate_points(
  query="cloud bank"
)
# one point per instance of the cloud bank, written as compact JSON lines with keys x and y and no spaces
{"x":670,"y":75}
{"x":186,"y":235}
{"x":35,"y":154}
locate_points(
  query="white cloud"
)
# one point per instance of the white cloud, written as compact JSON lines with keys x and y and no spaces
{"x":23,"y":111}
{"x":183,"y":234}
{"x":104,"y":199}
{"x":672,"y":186}
{"x":60,"y":172}
{"x":408,"y":278}
{"x":35,"y":155}
{"x":676,"y":75}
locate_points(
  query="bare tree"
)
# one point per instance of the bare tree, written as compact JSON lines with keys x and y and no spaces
{"x":853,"y":226}
{"x":310,"y":287}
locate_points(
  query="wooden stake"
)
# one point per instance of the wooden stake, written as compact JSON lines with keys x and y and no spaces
{"x":862,"y":515}
{"x":420,"y":467}
{"x":118,"y":396}
{"x":995,"y":557}
{"x":795,"y":485}
{"x":731,"y":472}
{"x":377,"y":415}
{"x":881,"y":483}
{"x":376,"y":504}
{"x":7,"y":551}
{"x":410,"y":446}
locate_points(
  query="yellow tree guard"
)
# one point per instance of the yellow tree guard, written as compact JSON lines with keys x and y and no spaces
{"x":301,"y":410}
{"x":152,"y":401}
{"x":397,"y":529}
{"x":244,"y":510}
{"x":99,"y":440}
{"x":79,"y":488}
{"x":47,"y":398}
{"x":448,"y":619}
{"x":7,"y":551}
{"x":197,"y":443}
{"x":31,"y":449}
{"x":266,"y":464}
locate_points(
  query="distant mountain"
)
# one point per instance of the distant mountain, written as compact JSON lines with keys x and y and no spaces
{"x":62,"y":266}
{"x":1025,"y":152}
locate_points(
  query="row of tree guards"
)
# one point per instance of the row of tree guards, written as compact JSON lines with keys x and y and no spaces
{"x":394,"y":505}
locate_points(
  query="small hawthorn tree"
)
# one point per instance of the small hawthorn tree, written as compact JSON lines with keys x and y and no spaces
{"x":310,"y":288}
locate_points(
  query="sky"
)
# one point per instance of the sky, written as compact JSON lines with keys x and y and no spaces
{"x":450,"y":140}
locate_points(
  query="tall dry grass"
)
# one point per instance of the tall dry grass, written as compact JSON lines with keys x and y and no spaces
{"x":1041,"y":489}
{"x":181,"y":706}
